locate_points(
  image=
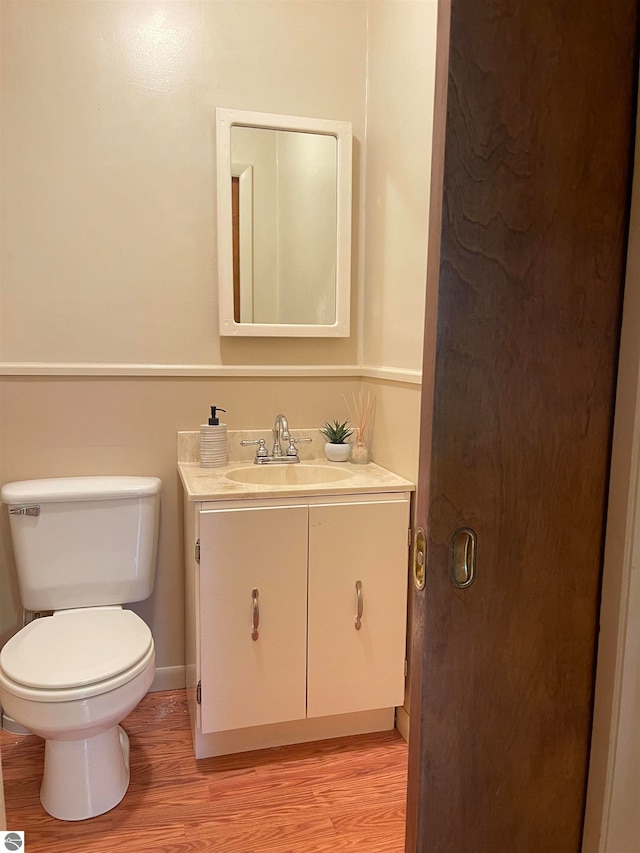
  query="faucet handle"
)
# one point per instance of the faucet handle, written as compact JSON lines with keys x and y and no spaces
{"x":292,"y":450}
{"x":262,"y":451}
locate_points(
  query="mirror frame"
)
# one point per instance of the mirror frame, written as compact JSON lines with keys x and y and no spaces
{"x":341,"y":131}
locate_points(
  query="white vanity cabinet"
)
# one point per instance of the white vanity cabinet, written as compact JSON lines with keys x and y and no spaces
{"x":252,"y":571}
{"x":354,"y":668}
{"x":274,"y":589}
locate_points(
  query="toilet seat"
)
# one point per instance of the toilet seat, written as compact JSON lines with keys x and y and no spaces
{"x":75,"y":654}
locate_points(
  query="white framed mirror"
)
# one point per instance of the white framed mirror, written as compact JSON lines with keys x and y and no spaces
{"x":284,"y":225}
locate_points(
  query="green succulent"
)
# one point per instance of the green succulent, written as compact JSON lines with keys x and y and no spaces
{"x":337,"y":433}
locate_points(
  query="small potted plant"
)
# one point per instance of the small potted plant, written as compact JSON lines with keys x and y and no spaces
{"x":336,"y":449}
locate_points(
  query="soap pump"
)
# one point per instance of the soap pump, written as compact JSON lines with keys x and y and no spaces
{"x":213,"y":441}
{"x":213,"y":420}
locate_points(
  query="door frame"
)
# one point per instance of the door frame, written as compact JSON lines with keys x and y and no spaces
{"x":612,"y":823}
{"x":417,"y":621}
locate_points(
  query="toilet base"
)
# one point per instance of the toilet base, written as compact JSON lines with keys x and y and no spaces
{"x":85,"y":778}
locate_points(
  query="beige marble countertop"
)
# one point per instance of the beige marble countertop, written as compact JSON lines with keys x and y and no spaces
{"x":217,"y":484}
{"x":212,"y":484}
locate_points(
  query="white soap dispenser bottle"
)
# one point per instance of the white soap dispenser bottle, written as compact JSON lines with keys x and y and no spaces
{"x":213,"y":442}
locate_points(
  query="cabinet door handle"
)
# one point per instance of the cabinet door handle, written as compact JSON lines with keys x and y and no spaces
{"x":360,"y":605}
{"x":256,"y":614}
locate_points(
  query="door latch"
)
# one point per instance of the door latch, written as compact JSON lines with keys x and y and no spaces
{"x":419,"y":559}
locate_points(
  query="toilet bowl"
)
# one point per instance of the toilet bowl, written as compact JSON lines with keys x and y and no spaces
{"x":71,"y":678}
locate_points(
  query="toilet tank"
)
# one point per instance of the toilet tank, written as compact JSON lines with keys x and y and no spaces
{"x":83,"y":541}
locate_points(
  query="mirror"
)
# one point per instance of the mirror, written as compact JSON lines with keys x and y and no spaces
{"x":284,"y":225}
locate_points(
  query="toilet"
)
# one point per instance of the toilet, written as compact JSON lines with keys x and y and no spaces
{"x":83,"y":547}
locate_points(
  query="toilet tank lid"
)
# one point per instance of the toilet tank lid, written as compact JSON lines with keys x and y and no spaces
{"x":60,"y":489}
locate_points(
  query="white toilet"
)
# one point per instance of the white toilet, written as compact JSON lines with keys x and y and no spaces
{"x":83,"y":546}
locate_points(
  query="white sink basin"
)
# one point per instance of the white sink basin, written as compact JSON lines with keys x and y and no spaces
{"x":287,"y":475}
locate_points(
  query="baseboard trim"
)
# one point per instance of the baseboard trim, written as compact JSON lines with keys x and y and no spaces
{"x":168,"y":678}
{"x":10,"y":725}
{"x":402,"y":722}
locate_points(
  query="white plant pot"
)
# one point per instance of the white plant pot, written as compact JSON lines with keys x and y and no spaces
{"x":337,"y":452}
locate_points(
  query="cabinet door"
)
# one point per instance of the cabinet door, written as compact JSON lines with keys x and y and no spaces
{"x":352,"y":669}
{"x":247,"y":682}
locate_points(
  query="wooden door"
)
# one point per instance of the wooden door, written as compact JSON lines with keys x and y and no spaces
{"x":357,"y":669}
{"x":247,"y":681}
{"x":533,"y":194}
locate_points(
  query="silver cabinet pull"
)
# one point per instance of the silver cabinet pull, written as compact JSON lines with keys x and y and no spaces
{"x":463,"y":557}
{"x":360,"y":605}
{"x":256,"y":614}
{"x":24,"y":510}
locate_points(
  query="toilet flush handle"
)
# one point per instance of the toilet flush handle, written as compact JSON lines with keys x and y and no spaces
{"x":24,"y":510}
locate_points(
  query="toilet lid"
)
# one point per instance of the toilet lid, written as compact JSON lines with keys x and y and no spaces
{"x":76,"y":647}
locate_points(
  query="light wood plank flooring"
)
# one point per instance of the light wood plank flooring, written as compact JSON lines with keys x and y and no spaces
{"x":342,"y":794}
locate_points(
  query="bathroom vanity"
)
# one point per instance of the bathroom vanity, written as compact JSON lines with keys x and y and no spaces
{"x":296,"y":583}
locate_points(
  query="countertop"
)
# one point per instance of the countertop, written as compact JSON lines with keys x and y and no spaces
{"x":213,"y":484}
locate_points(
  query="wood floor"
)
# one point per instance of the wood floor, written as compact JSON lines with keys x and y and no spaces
{"x":342,"y":794}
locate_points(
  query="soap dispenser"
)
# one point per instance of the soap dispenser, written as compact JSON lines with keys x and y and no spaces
{"x":213,"y":441}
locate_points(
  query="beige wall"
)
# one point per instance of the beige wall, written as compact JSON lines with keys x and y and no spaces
{"x":74,"y":426}
{"x":108,"y":155}
{"x":398,"y":165}
{"x":109,"y":245}
{"x":401,"y":69}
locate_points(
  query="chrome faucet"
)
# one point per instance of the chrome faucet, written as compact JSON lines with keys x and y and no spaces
{"x":280,"y":434}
